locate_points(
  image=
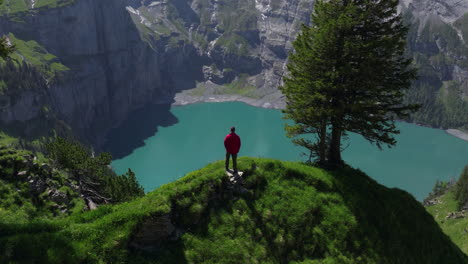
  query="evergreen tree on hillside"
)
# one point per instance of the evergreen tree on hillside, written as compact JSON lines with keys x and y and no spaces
{"x":96,"y":180}
{"x":348,"y":74}
{"x":461,"y":189}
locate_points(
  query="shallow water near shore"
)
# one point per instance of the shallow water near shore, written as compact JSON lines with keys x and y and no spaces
{"x":421,"y":156}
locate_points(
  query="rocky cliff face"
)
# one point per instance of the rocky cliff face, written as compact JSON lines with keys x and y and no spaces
{"x":123,"y":55}
{"x":112,"y":70}
{"x":438,"y":41}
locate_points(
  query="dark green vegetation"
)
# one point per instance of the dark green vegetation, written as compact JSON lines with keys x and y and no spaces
{"x":5,"y":49}
{"x":29,"y":188}
{"x":348,"y":74}
{"x":28,"y":72}
{"x":34,"y":186}
{"x":16,"y":8}
{"x":94,"y":176}
{"x":288,"y":212}
{"x":461,"y":190}
{"x":458,"y":188}
{"x":37,"y":57}
{"x":436,"y":49}
{"x":448,"y":203}
{"x":18,"y":78}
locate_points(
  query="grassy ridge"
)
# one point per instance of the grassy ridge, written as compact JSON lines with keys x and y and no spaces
{"x":290,"y":213}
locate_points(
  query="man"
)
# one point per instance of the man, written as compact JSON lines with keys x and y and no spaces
{"x":232,"y":143}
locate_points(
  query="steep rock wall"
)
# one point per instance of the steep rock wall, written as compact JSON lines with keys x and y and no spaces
{"x":112,"y":72}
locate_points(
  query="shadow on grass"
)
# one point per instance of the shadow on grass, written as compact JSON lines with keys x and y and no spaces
{"x":172,"y":252}
{"x":139,"y":126}
{"x":393,"y":224}
{"x":390,"y":226}
{"x":42,"y":247}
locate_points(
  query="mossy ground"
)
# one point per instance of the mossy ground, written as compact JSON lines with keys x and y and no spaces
{"x":291,"y":213}
{"x":454,"y":228}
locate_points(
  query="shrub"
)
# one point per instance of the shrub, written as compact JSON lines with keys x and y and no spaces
{"x":93,"y":173}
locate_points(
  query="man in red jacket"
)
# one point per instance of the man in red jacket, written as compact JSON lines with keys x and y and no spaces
{"x":232,"y":143}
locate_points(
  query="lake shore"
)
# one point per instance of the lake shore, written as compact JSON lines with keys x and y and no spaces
{"x":458,"y":133}
{"x":273,"y":102}
{"x":265,"y":102}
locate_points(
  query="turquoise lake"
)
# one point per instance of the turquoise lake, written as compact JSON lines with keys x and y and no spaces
{"x":421,"y":156}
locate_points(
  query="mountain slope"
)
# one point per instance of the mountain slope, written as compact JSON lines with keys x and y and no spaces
{"x":118,"y":56}
{"x":286,"y":212}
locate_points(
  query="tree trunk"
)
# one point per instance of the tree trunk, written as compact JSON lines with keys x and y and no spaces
{"x":334,"y":155}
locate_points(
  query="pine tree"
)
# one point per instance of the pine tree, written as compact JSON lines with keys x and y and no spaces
{"x":348,"y":73}
{"x":461,"y":189}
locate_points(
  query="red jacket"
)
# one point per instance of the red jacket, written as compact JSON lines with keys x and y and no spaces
{"x":232,"y":143}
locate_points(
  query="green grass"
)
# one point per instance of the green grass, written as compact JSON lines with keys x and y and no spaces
{"x":233,"y":44}
{"x":17,"y":201}
{"x":13,"y":7}
{"x":199,"y":90}
{"x":7,"y":140}
{"x":291,"y":212}
{"x":53,"y":3}
{"x":239,"y":86}
{"x":36,"y":55}
{"x":454,"y":228}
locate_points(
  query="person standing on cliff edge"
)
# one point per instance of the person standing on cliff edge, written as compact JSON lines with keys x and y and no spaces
{"x":232,"y":143}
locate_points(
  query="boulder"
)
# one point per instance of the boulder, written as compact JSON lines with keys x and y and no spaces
{"x":431,"y":202}
{"x":455,"y":215}
{"x":37,"y":185}
{"x":91,"y":204}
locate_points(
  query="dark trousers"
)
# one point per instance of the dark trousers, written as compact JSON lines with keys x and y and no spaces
{"x":234,"y":161}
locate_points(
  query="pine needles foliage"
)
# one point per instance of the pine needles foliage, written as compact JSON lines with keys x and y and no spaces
{"x":96,"y":179}
{"x":461,"y":189}
{"x":348,"y":73}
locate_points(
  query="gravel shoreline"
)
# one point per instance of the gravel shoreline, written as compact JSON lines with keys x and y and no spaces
{"x":458,"y":133}
{"x":185,"y":99}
